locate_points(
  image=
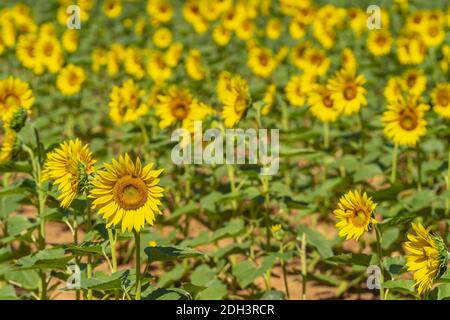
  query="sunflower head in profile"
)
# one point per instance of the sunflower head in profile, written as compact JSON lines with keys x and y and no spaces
{"x":404,"y":121}
{"x":347,"y":91}
{"x":235,"y":104}
{"x":70,"y":167}
{"x":441,"y":100}
{"x":9,"y":145}
{"x":14,"y":94}
{"x":354,"y":214}
{"x":127,"y":193}
{"x":426,"y":257}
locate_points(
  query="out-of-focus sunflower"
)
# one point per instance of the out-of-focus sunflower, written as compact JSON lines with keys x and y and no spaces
{"x":224,"y":85}
{"x":161,"y":11}
{"x":127,"y":193}
{"x":49,"y":52}
{"x":298,"y":88}
{"x":274,"y":28}
{"x":347,"y":91}
{"x":69,"y":40}
{"x":173,"y":54}
{"x":261,"y":61}
{"x":8,"y":145}
{"x":69,"y":167}
{"x":433,"y":33}
{"x":269,"y":97}
{"x":322,"y":105}
{"x":133,"y":63}
{"x":157,"y":67}
{"x":26,"y":53}
{"x":235,"y":103}
{"x":297,"y":28}
{"x":245,"y":30}
{"x":112,"y":8}
{"x":126,"y":103}
{"x":194,"y":67}
{"x":415,"y":81}
{"x":70,"y":79}
{"x":221,"y":35}
{"x":348,"y":60}
{"x":354,"y":214}
{"x":315,"y":61}
{"x":162,"y":38}
{"x":394,"y":89}
{"x":404,"y":120}
{"x":426,"y":257}
{"x":441,"y":100}
{"x":379,"y":42}
{"x":410,"y":49}
{"x":14,"y":94}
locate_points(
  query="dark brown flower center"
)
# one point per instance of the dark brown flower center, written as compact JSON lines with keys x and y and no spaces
{"x":327,"y":101}
{"x":130,"y":193}
{"x":180,"y":110}
{"x":350,"y":91}
{"x":408,"y":119}
{"x":443,"y":97}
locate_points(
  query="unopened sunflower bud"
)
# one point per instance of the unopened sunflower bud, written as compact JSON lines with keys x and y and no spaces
{"x":17,"y":121}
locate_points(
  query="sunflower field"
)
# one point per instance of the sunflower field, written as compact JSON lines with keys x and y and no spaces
{"x":348,"y":103}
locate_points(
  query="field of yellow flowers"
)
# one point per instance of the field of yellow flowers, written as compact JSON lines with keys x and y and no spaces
{"x":110,"y":191}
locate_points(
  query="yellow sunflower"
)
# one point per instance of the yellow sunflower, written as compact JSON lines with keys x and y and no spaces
{"x":274,"y":28}
{"x":348,"y":60}
{"x":269,"y":97}
{"x":354,"y":214}
{"x":261,"y":61}
{"x":415,"y":81}
{"x":173,"y":54}
{"x":157,"y":67}
{"x":298,"y":88}
{"x":8,"y":145}
{"x":235,"y":103}
{"x":441,"y":100}
{"x":112,"y":8}
{"x":127,"y":193}
{"x":194,"y":67}
{"x":161,"y":11}
{"x":69,"y":167}
{"x":426,"y":257}
{"x":347,"y":91}
{"x":162,"y":38}
{"x":14,"y":94}
{"x":322,"y":105}
{"x":70,"y":79}
{"x":69,"y":40}
{"x":404,"y":120}
{"x":126,"y":103}
{"x":50,"y":53}
{"x":221,"y":35}
{"x":394,"y":89}
{"x":26,"y":53}
{"x":315,"y":61}
{"x":379,"y":42}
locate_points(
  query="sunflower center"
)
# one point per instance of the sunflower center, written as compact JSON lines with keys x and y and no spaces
{"x":360,"y":218}
{"x":443,"y":98}
{"x":130,"y":193}
{"x":180,"y":110}
{"x":73,"y":79}
{"x":327,"y":101}
{"x":411,"y":80}
{"x":350,"y":92}
{"x":48,"y":49}
{"x":316,"y":59}
{"x":240,"y":105}
{"x":408,"y":119}
{"x":381,"y":40}
{"x":12,"y":101}
{"x":263,"y":59}
{"x":433,"y":31}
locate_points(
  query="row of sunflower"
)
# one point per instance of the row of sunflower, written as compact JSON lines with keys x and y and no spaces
{"x":318,"y":72}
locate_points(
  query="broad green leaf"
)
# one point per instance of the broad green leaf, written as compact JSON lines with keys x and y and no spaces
{"x":404,"y":286}
{"x":8,"y":293}
{"x":317,"y":240}
{"x":44,"y":259}
{"x":359,"y":259}
{"x":168,"y":253}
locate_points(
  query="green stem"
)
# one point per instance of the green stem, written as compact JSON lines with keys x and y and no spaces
{"x":447,"y":201}
{"x":394,"y":164}
{"x":286,"y":285}
{"x":419,"y":168}
{"x":361,"y":123}
{"x":380,"y":261}
{"x":112,"y":244}
{"x":89,"y":257}
{"x":326,"y":135}
{"x":265,"y":192}
{"x":230,"y":170}
{"x":137,"y":240}
{"x":303,"y":266}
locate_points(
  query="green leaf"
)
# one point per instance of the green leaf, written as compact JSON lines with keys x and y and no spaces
{"x":317,"y":240}
{"x":366,"y":172}
{"x":171,"y":276}
{"x":359,"y":259}
{"x":184,"y":210}
{"x":444,"y":291}
{"x":389,"y":237}
{"x":246,"y":272}
{"x":404,"y":286}
{"x":28,"y":279}
{"x":103,"y":281}
{"x":8,"y":293}
{"x":85,"y":248}
{"x":168,"y":253}
{"x":216,"y":291}
{"x":44,"y":259}
{"x":165,"y":294}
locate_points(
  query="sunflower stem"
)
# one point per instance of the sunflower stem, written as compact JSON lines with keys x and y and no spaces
{"x":89,"y":257}
{"x":394,"y":164}
{"x":419,"y":168}
{"x":112,"y":244}
{"x":303,"y":265}
{"x":380,"y":261}
{"x":326,"y":135}
{"x":137,"y":240}
{"x":230,"y":170}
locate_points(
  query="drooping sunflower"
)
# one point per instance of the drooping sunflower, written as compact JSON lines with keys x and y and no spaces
{"x":427,"y":257}
{"x":347,"y":91}
{"x":126,"y":103}
{"x":8,"y":145}
{"x":69,"y":167}
{"x":235,"y":103}
{"x":322,"y":105}
{"x":127,"y":193}
{"x":298,"y":88}
{"x":14,"y":94}
{"x":354,"y":214}
{"x":441,"y":100}
{"x":404,"y":120}
{"x":70,"y":79}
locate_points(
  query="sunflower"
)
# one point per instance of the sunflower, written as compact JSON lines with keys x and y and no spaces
{"x":173,"y":54}
{"x":235,"y":103}
{"x":14,"y":94}
{"x":49,"y":52}
{"x":70,"y":79}
{"x":224,"y":85}
{"x":69,"y":167}
{"x":69,"y":40}
{"x":245,"y":30}
{"x":269,"y":97}
{"x":297,"y":28}
{"x":347,"y":91}
{"x":127,"y":193}
{"x":379,"y":42}
{"x":441,"y":100}
{"x":26,"y":53}
{"x":315,"y":61}
{"x":415,"y":81}
{"x":297,"y":89}
{"x":354,"y":214}
{"x":394,"y":89}
{"x":133,"y":63}
{"x":410,"y":49}
{"x":157,"y":67}
{"x":221,"y":35}
{"x":162,"y":38}
{"x":161,"y":11}
{"x":404,"y":120}
{"x":274,"y":28}
{"x":177,"y":105}
{"x":126,"y":103}
{"x":427,"y":257}
{"x":194,"y":67}
{"x":322,"y":105}
{"x":261,"y":61}
{"x":433,"y":34}
{"x":8,"y":146}
{"x":348,"y":60}
{"x":112,"y":8}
